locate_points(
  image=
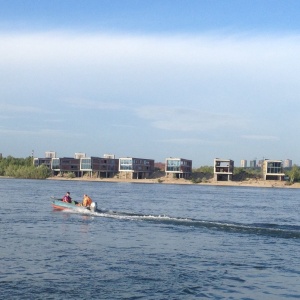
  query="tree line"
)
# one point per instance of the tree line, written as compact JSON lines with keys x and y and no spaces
{"x":22,"y":168}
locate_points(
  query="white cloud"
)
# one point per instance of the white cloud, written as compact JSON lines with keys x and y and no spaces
{"x":261,"y":137}
{"x":185,"y":119}
{"x":213,"y":50}
{"x":41,"y":132}
{"x":213,"y":67}
{"x":191,"y":141}
{"x":216,"y":85}
{"x":90,"y":104}
{"x":4,"y":108}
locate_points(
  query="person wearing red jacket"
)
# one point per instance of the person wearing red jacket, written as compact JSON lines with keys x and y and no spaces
{"x":67,"y":198}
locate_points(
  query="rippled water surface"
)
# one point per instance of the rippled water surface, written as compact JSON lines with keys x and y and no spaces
{"x":149,"y":241}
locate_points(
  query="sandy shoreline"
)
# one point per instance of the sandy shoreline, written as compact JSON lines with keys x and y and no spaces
{"x":164,"y":180}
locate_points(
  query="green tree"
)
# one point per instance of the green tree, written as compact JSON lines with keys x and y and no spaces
{"x":205,"y":170}
{"x":22,"y":168}
{"x":294,"y":174}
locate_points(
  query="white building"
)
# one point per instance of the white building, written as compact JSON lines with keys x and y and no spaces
{"x":79,"y":155}
{"x":111,"y":156}
{"x":287,"y":163}
{"x":50,"y":154}
{"x":272,"y":169}
{"x":244,"y":163}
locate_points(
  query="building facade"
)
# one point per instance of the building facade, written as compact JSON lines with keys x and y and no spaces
{"x":287,"y":163}
{"x":272,"y":169}
{"x":60,"y":166}
{"x":99,"y":167}
{"x":244,"y":163}
{"x":178,"y":167}
{"x":223,"y":169}
{"x":135,"y":168}
{"x":50,"y":154}
{"x":42,"y":161}
{"x":79,"y":155}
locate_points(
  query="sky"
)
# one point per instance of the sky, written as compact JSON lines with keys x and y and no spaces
{"x":198,"y":79}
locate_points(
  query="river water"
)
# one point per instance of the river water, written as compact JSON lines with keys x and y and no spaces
{"x":154,"y":241}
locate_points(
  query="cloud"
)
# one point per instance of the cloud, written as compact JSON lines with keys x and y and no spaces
{"x":185,"y":119}
{"x":210,"y":86}
{"x":123,"y":126}
{"x":4,"y":108}
{"x":211,"y":67}
{"x":261,"y":137}
{"x":191,"y":141}
{"x":215,"y":50}
{"x":90,"y":104}
{"x":41,"y":132}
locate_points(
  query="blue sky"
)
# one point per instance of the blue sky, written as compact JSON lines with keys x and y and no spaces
{"x":151,"y":79}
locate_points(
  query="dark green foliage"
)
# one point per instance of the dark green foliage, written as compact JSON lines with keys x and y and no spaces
{"x":205,"y":169}
{"x":240,"y":174}
{"x":202,"y":174}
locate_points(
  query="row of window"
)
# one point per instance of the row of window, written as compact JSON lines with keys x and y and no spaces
{"x":274,"y":170}
{"x":134,"y":161}
{"x":178,"y":163}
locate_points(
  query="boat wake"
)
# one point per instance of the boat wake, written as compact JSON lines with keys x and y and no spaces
{"x":261,"y":229}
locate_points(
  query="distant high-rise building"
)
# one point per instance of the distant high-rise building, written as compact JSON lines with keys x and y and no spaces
{"x":50,"y":154}
{"x":260,"y":163}
{"x":111,"y":156}
{"x":253,"y":163}
{"x":287,"y":163}
{"x":79,"y":155}
{"x":244,"y":163}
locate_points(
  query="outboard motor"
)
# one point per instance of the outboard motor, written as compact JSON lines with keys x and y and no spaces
{"x":93,"y":206}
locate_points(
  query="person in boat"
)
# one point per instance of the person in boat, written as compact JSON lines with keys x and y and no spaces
{"x":87,"y":201}
{"x":67,"y":198}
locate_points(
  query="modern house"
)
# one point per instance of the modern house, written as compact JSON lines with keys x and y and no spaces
{"x":135,"y":168}
{"x":272,"y":169}
{"x":63,"y":165}
{"x":42,"y":161}
{"x":46,"y":160}
{"x":99,"y":167}
{"x":223,"y":169}
{"x":178,"y":167}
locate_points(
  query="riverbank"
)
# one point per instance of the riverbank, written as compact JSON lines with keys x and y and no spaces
{"x":165,"y":180}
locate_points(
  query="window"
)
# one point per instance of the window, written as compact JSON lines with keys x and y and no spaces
{"x":55,"y":163}
{"x":86,"y":164}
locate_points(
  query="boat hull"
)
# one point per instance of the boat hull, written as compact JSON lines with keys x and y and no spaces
{"x":60,"y":205}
